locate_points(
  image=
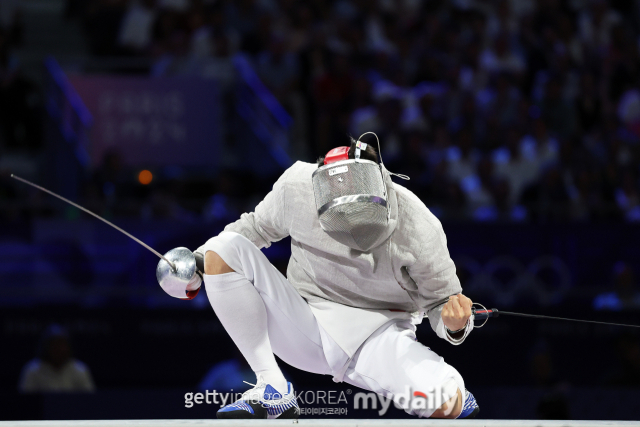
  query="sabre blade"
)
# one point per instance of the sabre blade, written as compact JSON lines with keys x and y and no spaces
{"x":494,"y":312}
{"x":540,"y":316}
{"x":173,"y":266}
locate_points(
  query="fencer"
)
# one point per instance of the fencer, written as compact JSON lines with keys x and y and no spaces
{"x":368,"y":262}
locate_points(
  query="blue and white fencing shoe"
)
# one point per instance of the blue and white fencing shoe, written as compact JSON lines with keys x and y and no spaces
{"x":470,"y":408}
{"x":262,"y":401}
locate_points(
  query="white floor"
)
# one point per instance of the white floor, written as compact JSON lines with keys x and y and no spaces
{"x":316,"y":423}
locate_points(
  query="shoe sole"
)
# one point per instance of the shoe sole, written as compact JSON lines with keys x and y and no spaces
{"x":473,"y":414}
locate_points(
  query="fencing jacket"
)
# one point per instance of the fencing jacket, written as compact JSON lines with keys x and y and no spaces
{"x":353,"y":293}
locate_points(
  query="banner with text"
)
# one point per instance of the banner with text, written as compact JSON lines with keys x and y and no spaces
{"x":153,"y":122}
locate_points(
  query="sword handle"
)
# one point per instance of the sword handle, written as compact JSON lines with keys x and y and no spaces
{"x":484,"y":314}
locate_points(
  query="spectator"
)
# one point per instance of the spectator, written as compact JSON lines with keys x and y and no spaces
{"x":540,"y":146}
{"x":479,"y":188}
{"x":137,"y":23}
{"x":55,"y":369}
{"x":518,"y":170}
{"x":501,"y":57}
{"x":462,"y":157}
{"x":595,"y":23}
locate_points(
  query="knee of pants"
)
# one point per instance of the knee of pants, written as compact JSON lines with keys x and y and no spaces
{"x":214,"y":265}
{"x":233,"y":248}
{"x":452,"y":384}
{"x":445,"y":390}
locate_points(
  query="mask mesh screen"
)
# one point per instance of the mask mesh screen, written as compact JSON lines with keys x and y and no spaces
{"x":361,"y":178}
{"x":357,"y":224}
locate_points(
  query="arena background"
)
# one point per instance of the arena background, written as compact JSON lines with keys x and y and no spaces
{"x":517,"y":121}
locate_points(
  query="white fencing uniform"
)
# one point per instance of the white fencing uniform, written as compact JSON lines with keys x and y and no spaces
{"x":341,"y":312}
{"x":389,"y":362}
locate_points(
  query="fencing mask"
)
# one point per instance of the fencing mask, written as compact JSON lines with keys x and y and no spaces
{"x":355,"y":199}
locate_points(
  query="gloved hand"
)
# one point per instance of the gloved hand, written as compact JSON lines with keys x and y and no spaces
{"x":199,"y":263}
{"x":456,"y":313}
{"x":195,"y":282}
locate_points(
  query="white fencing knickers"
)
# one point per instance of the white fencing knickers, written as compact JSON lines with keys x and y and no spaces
{"x":390,"y":362}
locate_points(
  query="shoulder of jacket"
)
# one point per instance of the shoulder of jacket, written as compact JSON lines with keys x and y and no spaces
{"x":299,"y":172}
{"x":413,"y":210}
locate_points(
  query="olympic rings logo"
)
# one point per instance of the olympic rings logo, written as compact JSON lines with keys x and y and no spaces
{"x":504,"y":279}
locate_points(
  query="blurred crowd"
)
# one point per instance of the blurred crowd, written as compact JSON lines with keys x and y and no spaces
{"x":498,"y":110}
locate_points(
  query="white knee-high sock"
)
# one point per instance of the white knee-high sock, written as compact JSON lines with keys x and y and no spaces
{"x":238,"y":305}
